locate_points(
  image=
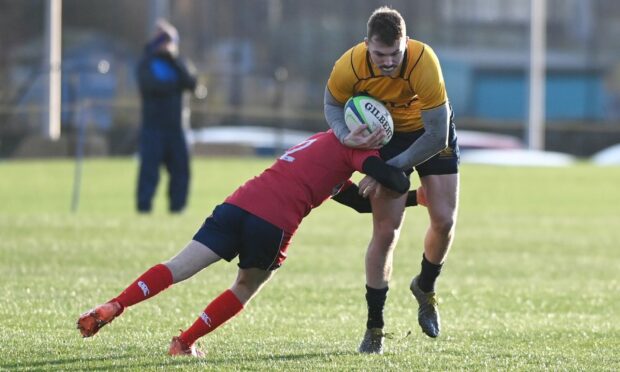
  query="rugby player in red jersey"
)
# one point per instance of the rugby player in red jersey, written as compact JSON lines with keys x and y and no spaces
{"x":256,"y":223}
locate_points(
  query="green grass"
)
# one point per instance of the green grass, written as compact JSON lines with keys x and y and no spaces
{"x":532,"y":282}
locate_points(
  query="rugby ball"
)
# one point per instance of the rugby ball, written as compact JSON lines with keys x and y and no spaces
{"x":364,"y":109}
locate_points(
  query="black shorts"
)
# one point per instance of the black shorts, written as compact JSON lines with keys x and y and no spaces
{"x":230,"y":231}
{"x":446,"y":162}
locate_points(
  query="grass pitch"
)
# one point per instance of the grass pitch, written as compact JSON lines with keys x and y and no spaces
{"x":532,"y":282}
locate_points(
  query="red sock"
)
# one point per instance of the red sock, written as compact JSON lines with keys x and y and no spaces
{"x":224,"y":307}
{"x":153,"y":281}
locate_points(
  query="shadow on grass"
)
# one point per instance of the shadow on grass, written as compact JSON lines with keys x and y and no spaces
{"x":68,"y":364}
{"x":57,"y":362}
{"x":79,"y":363}
{"x":283,"y":358}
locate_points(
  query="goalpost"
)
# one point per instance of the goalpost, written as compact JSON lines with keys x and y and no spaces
{"x":536,"y":120}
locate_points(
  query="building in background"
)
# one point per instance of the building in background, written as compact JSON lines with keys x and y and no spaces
{"x":264,"y":63}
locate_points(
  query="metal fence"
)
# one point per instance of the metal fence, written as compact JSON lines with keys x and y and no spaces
{"x":265,"y":63}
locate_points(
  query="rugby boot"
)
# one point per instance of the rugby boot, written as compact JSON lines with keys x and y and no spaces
{"x":372,"y":342}
{"x":179,"y":347}
{"x":428,"y":313}
{"x":91,"y":321}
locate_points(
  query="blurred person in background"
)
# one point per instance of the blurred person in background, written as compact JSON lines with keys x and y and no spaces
{"x":163,"y":77}
{"x":406,"y":76}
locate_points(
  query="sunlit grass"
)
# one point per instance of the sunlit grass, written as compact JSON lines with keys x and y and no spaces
{"x":532,"y":282}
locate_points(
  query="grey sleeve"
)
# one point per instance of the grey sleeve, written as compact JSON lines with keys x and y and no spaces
{"x":334,"y":114}
{"x":435,"y":138}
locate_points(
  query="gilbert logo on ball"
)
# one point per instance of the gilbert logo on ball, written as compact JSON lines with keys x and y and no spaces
{"x":364,"y":109}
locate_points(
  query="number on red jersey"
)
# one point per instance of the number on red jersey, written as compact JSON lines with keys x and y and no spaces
{"x":287,"y":155}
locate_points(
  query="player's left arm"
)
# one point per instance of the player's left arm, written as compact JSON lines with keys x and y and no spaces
{"x":435,"y":139}
{"x":427,"y":80}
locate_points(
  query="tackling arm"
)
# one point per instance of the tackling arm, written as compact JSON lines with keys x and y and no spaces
{"x":435,"y":138}
{"x":350,"y":197}
{"x":388,"y":176}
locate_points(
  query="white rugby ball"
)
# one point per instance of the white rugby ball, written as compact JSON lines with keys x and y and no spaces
{"x":364,"y":109}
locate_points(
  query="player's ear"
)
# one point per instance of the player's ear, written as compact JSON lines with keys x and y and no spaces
{"x":366,"y":40}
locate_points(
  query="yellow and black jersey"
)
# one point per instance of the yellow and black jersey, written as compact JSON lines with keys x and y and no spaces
{"x":418,"y":86}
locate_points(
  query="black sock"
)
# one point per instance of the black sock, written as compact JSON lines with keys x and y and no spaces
{"x":375,"y":299}
{"x":428,"y":275}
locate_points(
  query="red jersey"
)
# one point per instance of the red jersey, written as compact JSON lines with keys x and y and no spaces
{"x":300,"y":180}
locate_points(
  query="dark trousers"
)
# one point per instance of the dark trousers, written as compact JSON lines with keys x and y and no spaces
{"x":167,"y":147}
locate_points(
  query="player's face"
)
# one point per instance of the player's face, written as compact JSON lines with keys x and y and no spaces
{"x":386,"y":57}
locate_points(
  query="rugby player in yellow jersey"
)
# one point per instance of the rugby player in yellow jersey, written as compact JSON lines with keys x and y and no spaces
{"x":406,"y":76}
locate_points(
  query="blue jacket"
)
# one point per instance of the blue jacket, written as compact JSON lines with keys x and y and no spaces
{"x":162,"y":79}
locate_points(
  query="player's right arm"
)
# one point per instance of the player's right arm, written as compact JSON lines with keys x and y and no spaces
{"x":339,"y":88}
{"x":334,"y":114}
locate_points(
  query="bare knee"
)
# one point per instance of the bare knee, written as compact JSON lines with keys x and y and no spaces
{"x":443,"y":225}
{"x":249,"y":282}
{"x":387,"y":218}
{"x":385,"y":235}
{"x":193,"y":258}
{"x":247,"y":285}
{"x":244,"y":290}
